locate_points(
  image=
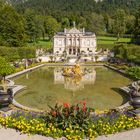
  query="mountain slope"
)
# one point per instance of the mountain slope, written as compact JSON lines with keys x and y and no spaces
{"x":53,"y":6}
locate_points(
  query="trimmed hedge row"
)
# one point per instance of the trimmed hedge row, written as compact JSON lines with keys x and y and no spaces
{"x":12,"y":54}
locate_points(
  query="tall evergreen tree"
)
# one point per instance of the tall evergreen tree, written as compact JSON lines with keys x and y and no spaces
{"x":137,"y":27}
{"x":33,"y":26}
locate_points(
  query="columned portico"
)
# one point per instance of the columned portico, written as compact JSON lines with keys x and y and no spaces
{"x":73,"y":50}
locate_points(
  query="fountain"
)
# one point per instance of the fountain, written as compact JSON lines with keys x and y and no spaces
{"x":74,"y":71}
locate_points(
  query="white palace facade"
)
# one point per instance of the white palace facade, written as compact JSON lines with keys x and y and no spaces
{"x":74,"y":42}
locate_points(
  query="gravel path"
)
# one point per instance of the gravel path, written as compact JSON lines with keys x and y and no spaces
{"x":128,"y":135}
{"x":11,"y":134}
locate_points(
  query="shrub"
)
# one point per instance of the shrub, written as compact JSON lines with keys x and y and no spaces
{"x":5,"y":68}
{"x":133,"y":72}
{"x":131,"y":53}
{"x":66,"y":115}
{"x":12,"y":54}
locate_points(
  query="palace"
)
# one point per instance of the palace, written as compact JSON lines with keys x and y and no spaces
{"x":74,"y":42}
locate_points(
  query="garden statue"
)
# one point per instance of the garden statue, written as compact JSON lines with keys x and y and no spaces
{"x":75,"y":71}
{"x":6,"y":98}
{"x":135,"y":94}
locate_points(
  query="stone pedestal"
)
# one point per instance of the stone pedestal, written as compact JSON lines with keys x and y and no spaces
{"x":135,"y":95}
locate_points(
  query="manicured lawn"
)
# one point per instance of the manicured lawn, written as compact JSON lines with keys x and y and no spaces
{"x":42,"y":43}
{"x":108,"y":42}
{"x":111,"y":40}
{"x":125,"y":40}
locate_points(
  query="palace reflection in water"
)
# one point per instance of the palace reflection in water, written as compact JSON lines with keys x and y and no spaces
{"x":75,"y":83}
{"x":46,"y":86}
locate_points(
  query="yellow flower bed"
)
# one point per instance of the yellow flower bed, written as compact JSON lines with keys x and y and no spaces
{"x":90,"y":129}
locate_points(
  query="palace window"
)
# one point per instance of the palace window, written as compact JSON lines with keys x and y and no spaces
{"x":60,"y":42}
{"x":88,"y":42}
{"x":74,"y":51}
{"x":56,"y":42}
{"x":78,"y":50}
{"x":70,"y":51}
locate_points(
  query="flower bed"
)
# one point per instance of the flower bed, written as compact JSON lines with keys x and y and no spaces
{"x":72,"y":122}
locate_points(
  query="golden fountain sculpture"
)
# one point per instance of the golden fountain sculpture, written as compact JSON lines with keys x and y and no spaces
{"x":74,"y":71}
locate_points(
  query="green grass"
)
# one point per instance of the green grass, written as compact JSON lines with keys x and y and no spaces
{"x":111,"y":40}
{"x":108,"y":42}
{"x":105,"y":40}
{"x":42,"y":43}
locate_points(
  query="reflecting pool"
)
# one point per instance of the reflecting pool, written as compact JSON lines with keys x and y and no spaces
{"x":46,"y":86}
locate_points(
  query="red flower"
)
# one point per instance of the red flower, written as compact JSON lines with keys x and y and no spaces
{"x":84,"y":109}
{"x":66,"y":105}
{"x":84,"y":103}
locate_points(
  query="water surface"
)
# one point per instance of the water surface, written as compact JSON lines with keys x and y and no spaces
{"x":46,"y":86}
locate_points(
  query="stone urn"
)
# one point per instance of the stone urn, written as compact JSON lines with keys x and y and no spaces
{"x":135,"y":94}
{"x":6,"y":98}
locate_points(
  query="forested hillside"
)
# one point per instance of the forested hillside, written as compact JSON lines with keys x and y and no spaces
{"x":95,"y":16}
{"x":79,"y":6}
{"x":23,"y":21}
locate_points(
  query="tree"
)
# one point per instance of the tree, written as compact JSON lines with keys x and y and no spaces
{"x":41,"y":23}
{"x":130,"y":21}
{"x":51,"y":26}
{"x":65,"y":22}
{"x":107,"y":22}
{"x":82,"y":23}
{"x":27,"y":52}
{"x":129,"y":53}
{"x":119,"y":26}
{"x":5,"y":68}
{"x":33,"y":25}
{"x":136,"y":38}
{"x":12,"y":31}
{"x":95,"y":23}
{"x":121,"y":51}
